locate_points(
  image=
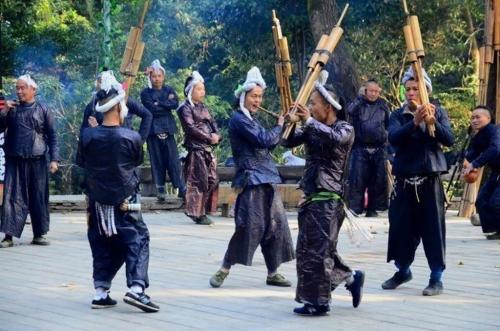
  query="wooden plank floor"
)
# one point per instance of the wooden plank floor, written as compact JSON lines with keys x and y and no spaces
{"x":50,"y":288}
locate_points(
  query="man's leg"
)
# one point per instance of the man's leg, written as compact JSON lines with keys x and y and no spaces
{"x":358,"y":180}
{"x":15,"y":200}
{"x":173,"y":164}
{"x":38,"y":192}
{"x":158,"y":167}
{"x":377,"y":187}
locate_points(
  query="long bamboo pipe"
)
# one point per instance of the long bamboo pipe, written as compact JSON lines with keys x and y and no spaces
{"x":270,"y":113}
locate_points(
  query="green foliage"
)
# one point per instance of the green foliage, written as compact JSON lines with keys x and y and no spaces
{"x":60,"y":41}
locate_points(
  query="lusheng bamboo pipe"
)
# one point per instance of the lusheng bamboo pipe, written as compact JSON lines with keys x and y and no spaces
{"x":283,"y":68}
{"x":319,"y":59}
{"x":270,"y":113}
{"x":415,"y":51}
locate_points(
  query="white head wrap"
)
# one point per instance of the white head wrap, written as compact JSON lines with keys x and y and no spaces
{"x":28,"y":80}
{"x":409,"y":74}
{"x":197,"y":78}
{"x":320,"y":87}
{"x":108,"y":83}
{"x":254,"y":78}
{"x":155,"y":65}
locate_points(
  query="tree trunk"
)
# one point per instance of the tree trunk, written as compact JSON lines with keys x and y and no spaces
{"x":323,"y":15}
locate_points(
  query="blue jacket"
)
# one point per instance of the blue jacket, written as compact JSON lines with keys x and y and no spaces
{"x":110,"y":156}
{"x":370,"y":121}
{"x":417,"y":153}
{"x":250,"y":144}
{"x":134,"y":108}
{"x":30,"y":131}
{"x":161,"y":103}
{"x":484,"y":148}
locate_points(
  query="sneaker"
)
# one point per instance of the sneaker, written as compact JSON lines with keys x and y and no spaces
{"x":371,"y":213}
{"x":204,"y":220}
{"x":396,"y":280}
{"x":217,"y":279}
{"x":494,"y":236}
{"x":434,"y":288}
{"x":6,"y":243}
{"x":278,"y":280}
{"x":310,"y":310}
{"x":103,"y":303}
{"x":356,"y":288}
{"x":41,"y":241}
{"x":141,"y":301}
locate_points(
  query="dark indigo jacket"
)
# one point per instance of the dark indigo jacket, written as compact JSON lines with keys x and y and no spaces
{"x":370,"y":121}
{"x":484,"y":148}
{"x":161,"y":103}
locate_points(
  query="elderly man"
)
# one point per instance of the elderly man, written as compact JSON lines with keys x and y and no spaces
{"x":416,"y":211}
{"x":161,"y":100}
{"x":369,"y":115}
{"x":30,"y":134}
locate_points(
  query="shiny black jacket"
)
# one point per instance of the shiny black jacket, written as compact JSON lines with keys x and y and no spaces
{"x":370,"y":121}
{"x":198,"y":125}
{"x":417,"y":153}
{"x":484,"y":148}
{"x":110,"y":156}
{"x":250,"y":144}
{"x":327,"y":148}
{"x":134,"y":108}
{"x":161,"y":103}
{"x":30,"y":131}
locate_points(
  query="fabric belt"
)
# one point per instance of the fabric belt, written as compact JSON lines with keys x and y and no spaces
{"x":322,"y":196}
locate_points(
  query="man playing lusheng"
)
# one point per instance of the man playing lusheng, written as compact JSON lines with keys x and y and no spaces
{"x":327,"y":139}
{"x":260,"y":217}
{"x":416,"y":210}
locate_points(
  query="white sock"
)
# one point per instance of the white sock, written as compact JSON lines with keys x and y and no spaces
{"x":136,"y":289}
{"x":100,"y":293}
{"x":349,"y":280}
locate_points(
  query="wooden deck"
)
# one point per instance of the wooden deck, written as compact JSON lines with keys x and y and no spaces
{"x":50,"y":288}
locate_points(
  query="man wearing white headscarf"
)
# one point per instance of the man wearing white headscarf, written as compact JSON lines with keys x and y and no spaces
{"x":327,"y":138}
{"x":30,"y":136}
{"x":200,"y":135}
{"x":161,"y":100}
{"x":117,"y":234}
{"x":416,"y":209}
{"x":260,"y":217}
{"x":93,"y":118}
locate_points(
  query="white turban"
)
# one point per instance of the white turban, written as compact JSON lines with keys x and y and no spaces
{"x":320,"y":87}
{"x":109,"y":83}
{"x":254,"y":78}
{"x":155,"y":66}
{"x":409,"y":74}
{"x":196,"y":78}
{"x":28,"y":80}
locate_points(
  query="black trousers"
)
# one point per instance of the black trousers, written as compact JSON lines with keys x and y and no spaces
{"x":164,"y":157}
{"x":367,"y":171}
{"x":129,"y":246}
{"x":26,"y":190}
{"x":488,"y":204}
{"x":260,"y":219}
{"x":319,"y":265}
{"x":416,"y":213}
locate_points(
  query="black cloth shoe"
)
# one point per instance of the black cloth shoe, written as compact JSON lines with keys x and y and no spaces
{"x":356,"y":288}
{"x":435,"y":287}
{"x":103,"y":303}
{"x":371,"y":213}
{"x":494,"y":236}
{"x":141,"y":301}
{"x":396,"y":280}
{"x":310,"y":310}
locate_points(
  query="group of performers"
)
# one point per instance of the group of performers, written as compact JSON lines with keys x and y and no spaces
{"x":110,"y":152}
